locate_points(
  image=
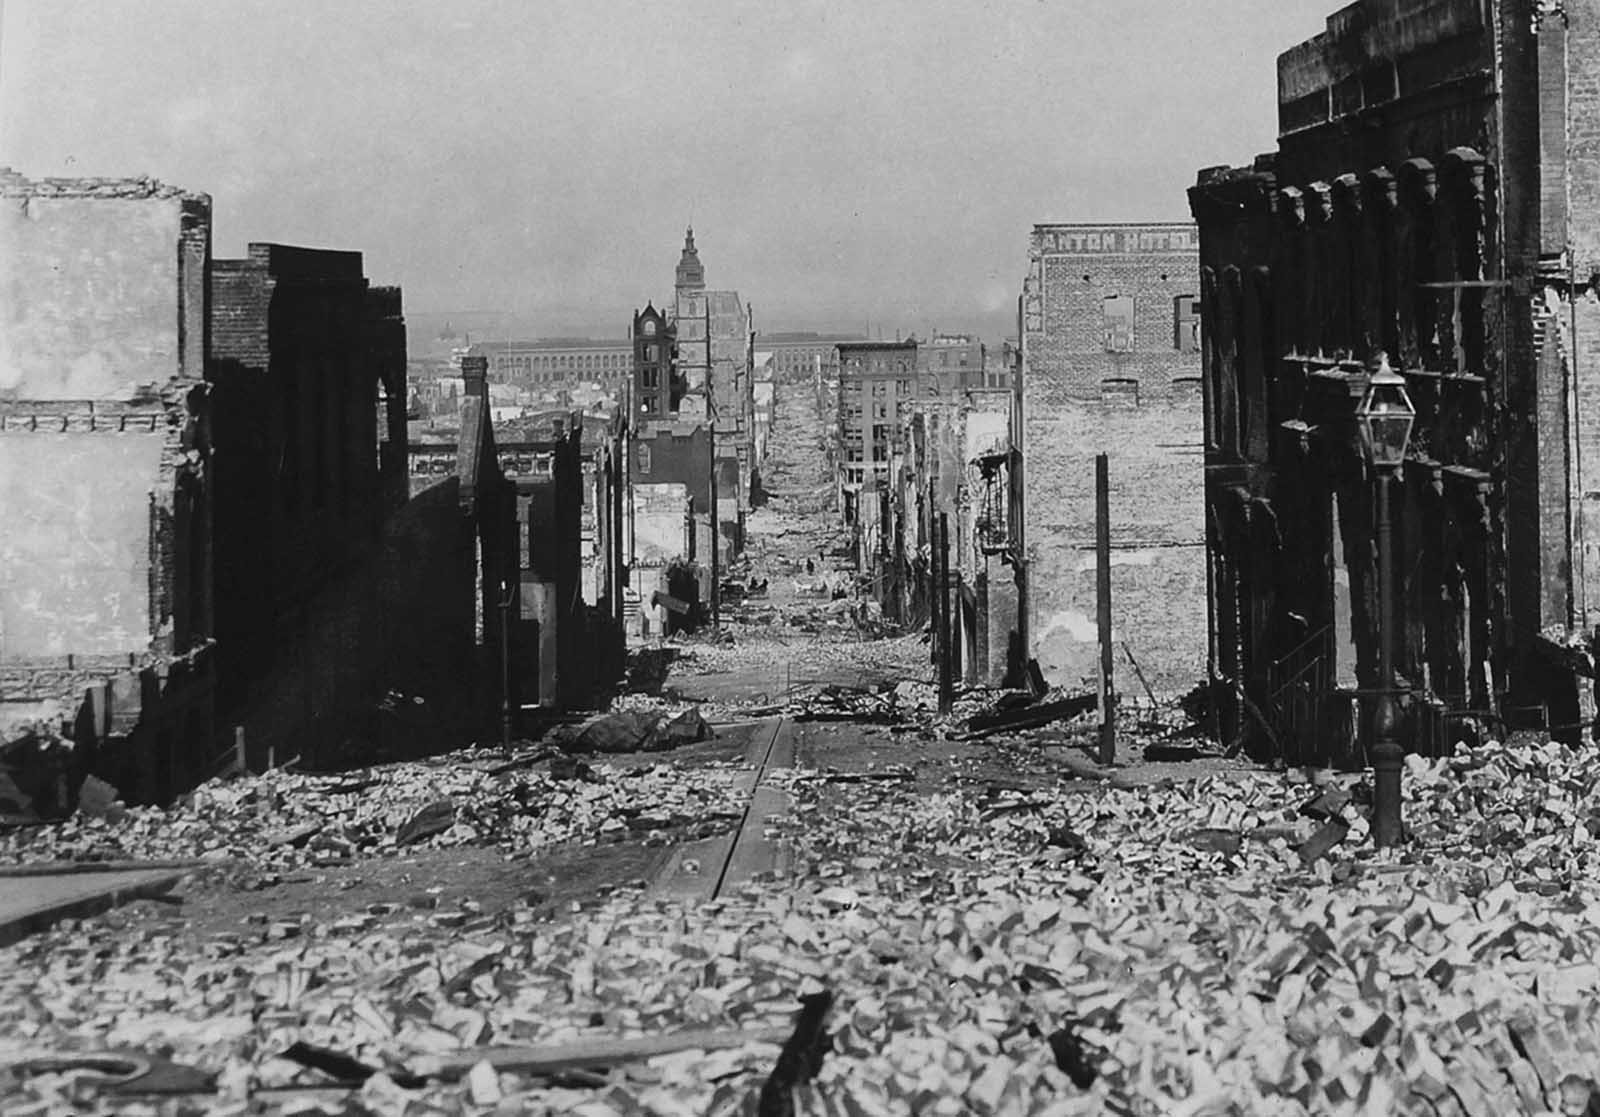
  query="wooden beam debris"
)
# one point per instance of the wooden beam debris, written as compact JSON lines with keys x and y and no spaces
{"x":590,"y":1054}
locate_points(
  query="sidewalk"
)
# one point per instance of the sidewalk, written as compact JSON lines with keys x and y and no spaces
{"x":31,"y":901}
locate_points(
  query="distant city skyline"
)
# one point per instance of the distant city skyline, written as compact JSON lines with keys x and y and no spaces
{"x":840,"y":163}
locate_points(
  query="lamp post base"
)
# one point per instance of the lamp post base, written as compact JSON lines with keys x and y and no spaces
{"x":1388,"y":759}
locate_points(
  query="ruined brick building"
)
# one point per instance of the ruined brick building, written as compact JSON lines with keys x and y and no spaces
{"x":332,"y":588}
{"x":106,"y":607}
{"x":1435,"y":196}
{"x":1110,"y":349}
{"x":542,"y":504}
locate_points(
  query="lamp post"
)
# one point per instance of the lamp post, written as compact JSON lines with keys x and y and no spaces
{"x":1385,"y":416}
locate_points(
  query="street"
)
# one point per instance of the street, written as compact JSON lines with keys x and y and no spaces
{"x":994,"y":922}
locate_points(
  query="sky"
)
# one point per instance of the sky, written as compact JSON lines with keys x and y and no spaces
{"x":843,"y":163}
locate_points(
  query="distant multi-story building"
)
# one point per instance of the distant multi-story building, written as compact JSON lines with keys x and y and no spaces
{"x":950,"y":364}
{"x":801,"y":354}
{"x":555,"y":361}
{"x":878,"y":386}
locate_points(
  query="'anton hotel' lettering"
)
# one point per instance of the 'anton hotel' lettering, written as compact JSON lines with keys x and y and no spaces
{"x":1083,"y":240}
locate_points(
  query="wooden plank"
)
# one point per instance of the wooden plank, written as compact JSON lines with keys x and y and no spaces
{"x":79,"y":868}
{"x":590,"y":1054}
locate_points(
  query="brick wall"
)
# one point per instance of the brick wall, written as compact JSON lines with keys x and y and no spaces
{"x":675,"y":453}
{"x":299,"y":347}
{"x":1073,"y":271}
{"x":1158,"y":581}
{"x":1122,"y":382}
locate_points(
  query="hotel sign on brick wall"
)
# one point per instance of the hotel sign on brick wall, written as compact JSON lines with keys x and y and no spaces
{"x":1114,"y":240}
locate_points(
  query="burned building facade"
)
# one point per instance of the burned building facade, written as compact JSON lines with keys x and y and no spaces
{"x":1434,"y":199}
{"x":333,"y":588}
{"x":106,"y":609}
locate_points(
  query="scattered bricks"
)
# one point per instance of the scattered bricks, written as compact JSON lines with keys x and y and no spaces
{"x":1525,"y":1035}
{"x":1378,"y":1031}
{"x":1320,"y":844}
{"x":1327,"y":805}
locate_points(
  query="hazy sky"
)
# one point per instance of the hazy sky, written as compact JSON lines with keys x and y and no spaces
{"x":841,"y":161}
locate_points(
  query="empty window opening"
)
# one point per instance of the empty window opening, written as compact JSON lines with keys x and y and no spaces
{"x":1117,"y":323}
{"x":1186,"y":324}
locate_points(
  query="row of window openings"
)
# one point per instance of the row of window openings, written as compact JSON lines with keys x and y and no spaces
{"x":613,"y":361}
{"x":877,"y":368}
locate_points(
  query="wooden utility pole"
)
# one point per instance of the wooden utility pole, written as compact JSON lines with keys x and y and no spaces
{"x":1102,"y":557}
{"x":947,"y":693}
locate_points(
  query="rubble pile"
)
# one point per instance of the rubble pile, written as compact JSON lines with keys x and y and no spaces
{"x":1181,"y":948}
{"x":799,"y":663}
{"x":283,"y":820}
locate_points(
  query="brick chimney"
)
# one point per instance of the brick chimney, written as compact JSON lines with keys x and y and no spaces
{"x":475,"y":375}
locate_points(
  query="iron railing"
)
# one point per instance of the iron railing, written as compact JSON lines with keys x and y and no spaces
{"x":1299,"y":686}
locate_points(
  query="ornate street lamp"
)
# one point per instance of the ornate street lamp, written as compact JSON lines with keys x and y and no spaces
{"x":1385,"y":415}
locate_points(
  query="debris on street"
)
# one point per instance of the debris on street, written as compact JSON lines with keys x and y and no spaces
{"x":283,"y":820}
{"x":1154,"y":950}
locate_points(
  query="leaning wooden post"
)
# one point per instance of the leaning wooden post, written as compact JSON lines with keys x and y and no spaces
{"x":1102,"y":559}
